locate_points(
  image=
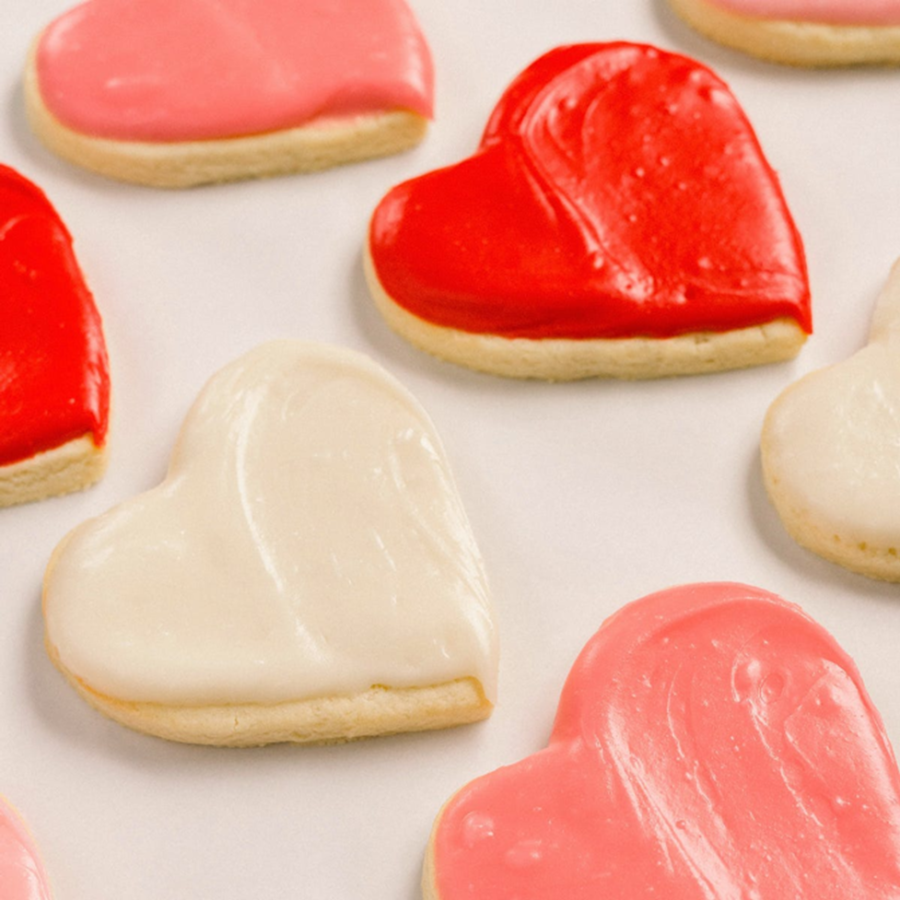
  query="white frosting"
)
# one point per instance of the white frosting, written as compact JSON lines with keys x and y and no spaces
{"x":308,"y":541}
{"x":833,"y":438}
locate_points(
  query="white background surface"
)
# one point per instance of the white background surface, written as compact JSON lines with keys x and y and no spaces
{"x":583,"y":496}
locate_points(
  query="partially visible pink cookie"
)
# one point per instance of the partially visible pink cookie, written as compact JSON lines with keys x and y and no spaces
{"x":118,"y":86}
{"x":22,"y":876}
{"x":801,"y":32}
{"x":712,"y":741}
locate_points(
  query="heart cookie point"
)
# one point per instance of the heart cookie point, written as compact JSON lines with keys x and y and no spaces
{"x":830,"y":451}
{"x":307,"y":556}
{"x":618,"y":195}
{"x":22,"y":875}
{"x":711,"y":740}
{"x":54,"y":375}
{"x":117,"y":86}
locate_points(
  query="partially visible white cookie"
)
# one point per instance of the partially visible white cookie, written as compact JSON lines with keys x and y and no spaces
{"x":831,"y":452}
{"x":119,"y":87}
{"x":801,"y":32}
{"x":305,"y":573}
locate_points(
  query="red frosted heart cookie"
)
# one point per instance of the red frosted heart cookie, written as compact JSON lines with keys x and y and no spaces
{"x":22,"y":876}
{"x":711,"y":741}
{"x":618,"y":218}
{"x":280,"y":86}
{"x":801,"y":32}
{"x":54,"y":379}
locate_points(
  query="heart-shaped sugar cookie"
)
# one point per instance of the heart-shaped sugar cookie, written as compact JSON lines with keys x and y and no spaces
{"x":801,"y":32}
{"x":22,"y":875}
{"x":120,"y":87}
{"x":618,"y":218}
{"x":306,"y":572}
{"x":711,"y":742}
{"x":831,"y":452}
{"x":54,"y":378}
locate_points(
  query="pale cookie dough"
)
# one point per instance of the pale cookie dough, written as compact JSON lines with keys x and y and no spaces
{"x":831,"y":452}
{"x":74,"y":466}
{"x":800,"y":41}
{"x":117,"y":86}
{"x":305,"y":573}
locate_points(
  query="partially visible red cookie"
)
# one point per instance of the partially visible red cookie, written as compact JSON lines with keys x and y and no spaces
{"x":619,"y":218}
{"x":54,"y":374}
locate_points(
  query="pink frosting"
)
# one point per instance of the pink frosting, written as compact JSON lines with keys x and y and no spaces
{"x":174,"y":70}
{"x":711,"y":742}
{"x":828,"y":12}
{"x":22,"y":876}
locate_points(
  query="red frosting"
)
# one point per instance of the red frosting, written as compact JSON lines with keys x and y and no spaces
{"x":711,"y":743}
{"x":54,"y":378}
{"x":618,"y":191}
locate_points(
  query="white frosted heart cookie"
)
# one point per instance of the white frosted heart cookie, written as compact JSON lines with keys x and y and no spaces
{"x":831,"y":452}
{"x":306,"y":572}
{"x":801,"y":32}
{"x":117,"y":86}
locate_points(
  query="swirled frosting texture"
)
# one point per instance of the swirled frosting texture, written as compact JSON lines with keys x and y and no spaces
{"x":22,"y":877}
{"x":831,"y":442}
{"x":131,"y":70}
{"x":827,"y":12}
{"x":54,"y":375}
{"x":618,"y":191}
{"x":307,"y":542}
{"x":711,"y":742}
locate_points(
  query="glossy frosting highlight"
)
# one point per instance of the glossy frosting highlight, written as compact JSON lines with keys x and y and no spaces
{"x":130,"y":70}
{"x":618,"y":191}
{"x":827,"y":12}
{"x":307,"y":542}
{"x":22,"y":876}
{"x":712,"y":741}
{"x":54,"y":375}
{"x":833,"y":438}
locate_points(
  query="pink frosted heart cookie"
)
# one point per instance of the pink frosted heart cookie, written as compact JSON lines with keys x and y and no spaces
{"x":712,"y":741}
{"x":831,"y":452}
{"x":22,"y":875}
{"x":305,"y":573}
{"x":801,"y":32}
{"x":118,"y":86}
